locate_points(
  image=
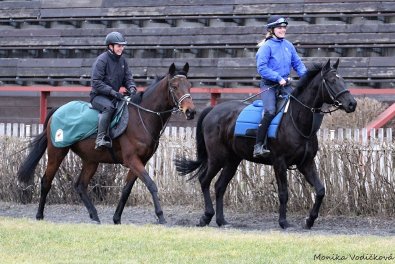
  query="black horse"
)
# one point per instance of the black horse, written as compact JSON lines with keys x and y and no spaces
{"x":296,"y":143}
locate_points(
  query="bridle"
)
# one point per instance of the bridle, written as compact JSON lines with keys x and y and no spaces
{"x":332,"y":94}
{"x":324,"y":86}
{"x":176,"y":107}
{"x":318,"y":112}
{"x":177,"y":103}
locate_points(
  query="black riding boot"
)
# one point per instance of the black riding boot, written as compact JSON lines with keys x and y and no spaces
{"x":102,"y":139}
{"x":260,"y":149}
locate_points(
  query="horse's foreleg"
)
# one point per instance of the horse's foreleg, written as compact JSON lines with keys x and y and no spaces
{"x":55,"y":158}
{"x":81,"y":186}
{"x":153,"y":189}
{"x":130,"y":180}
{"x":282,"y":184}
{"x":220,"y":187}
{"x":309,"y":170}
{"x":205,"y":181}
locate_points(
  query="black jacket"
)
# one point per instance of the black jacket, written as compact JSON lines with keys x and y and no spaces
{"x":110,"y":72}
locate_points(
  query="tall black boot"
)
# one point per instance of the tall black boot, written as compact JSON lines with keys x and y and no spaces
{"x":260,"y":149}
{"x":102,"y":139}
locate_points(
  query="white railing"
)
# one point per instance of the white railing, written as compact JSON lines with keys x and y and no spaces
{"x":361,"y":135}
{"x":357,"y":171}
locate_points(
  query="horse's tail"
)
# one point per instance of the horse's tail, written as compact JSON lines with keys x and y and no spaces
{"x":37,"y":149}
{"x":185,"y":166}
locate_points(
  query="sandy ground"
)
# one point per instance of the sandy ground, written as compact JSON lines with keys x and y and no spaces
{"x":186,"y":216}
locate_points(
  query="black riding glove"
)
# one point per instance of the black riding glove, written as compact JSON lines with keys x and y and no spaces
{"x":132,"y":90}
{"x":116,"y":95}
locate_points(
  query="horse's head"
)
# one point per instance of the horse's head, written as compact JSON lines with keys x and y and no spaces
{"x":334,"y":88}
{"x":179,"y":88}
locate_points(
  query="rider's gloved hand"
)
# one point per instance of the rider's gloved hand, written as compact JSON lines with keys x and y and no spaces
{"x":132,"y":90}
{"x":116,"y":94}
{"x":282,"y":82}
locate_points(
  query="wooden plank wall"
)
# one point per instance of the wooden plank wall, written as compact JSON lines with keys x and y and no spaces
{"x":51,"y":42}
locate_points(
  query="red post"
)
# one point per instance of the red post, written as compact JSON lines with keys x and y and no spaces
{"x":43,"y":105}
{"x":214,"y":98}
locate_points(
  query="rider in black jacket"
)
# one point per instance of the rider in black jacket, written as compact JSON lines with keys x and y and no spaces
{"x":109,"y":73}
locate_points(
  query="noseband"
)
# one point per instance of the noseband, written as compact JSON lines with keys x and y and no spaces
{"x":324,"y":86}
{"x":317,"y":112}
{"x":177,"y":103}
{"x":333,"y":95}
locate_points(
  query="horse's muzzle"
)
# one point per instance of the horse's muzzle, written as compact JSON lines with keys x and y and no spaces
{"x":350,"y":106}
{"x":190,"y":113}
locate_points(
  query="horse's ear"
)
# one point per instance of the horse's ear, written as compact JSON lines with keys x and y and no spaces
{"x":186,"y":68}
{"x":327,"y":65}
{"x":336,"y":64}
{"x":172,"y":69}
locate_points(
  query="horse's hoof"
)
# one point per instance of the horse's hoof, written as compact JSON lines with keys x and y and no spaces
{"x":39,"y":217}
{"x":223,"y":223}
{"x":96,"y":221}
{"x":284,"y":224}
{"x":116,"y":219}
{"x":162,"y":221}
{"x":203,"y":222}
{"x":308,"y":223}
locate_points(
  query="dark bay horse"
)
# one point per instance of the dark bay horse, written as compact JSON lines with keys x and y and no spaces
{"x":132,"y":149}
{"x":296,"y":143}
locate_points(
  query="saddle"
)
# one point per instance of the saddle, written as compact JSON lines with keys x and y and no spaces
{"x":249,"y":118}
{"x":77,"y":120}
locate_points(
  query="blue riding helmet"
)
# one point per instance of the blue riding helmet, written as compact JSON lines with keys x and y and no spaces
{"x":276,"y":21}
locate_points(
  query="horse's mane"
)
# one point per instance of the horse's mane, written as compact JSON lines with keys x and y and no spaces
{"x":307,"y":77}
{"x":157,"y":79}
{"x":152,"y":86}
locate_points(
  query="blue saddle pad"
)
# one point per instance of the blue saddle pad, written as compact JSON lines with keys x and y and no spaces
{"x":250,"y":117}
{"x":75,"y":121}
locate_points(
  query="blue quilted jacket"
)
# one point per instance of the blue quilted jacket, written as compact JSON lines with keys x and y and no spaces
{"x":275,"y":58}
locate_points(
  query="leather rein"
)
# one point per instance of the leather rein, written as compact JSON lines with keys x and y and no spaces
{"x":176,"y":107}
{"x":316,"y":123}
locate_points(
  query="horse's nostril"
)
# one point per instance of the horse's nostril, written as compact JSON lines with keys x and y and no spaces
{"x":190,"y":114}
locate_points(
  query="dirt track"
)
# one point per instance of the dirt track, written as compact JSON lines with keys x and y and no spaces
{"x":185,"y":216}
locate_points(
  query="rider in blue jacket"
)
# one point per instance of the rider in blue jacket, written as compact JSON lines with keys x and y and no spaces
{"x":274,"y":60}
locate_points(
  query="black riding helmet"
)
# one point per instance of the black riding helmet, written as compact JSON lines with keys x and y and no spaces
{"x":276,"y":21}
{"x":115,"y":38}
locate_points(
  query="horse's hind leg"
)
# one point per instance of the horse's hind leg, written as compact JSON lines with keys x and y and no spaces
{"x":309,"y":170}
{"x":81,"y":186}
{"x":130,"y":180}
{"x":205,"y":181}
{"x":55,"y":158}
{"x":280,"y":170}
{"x":227,"y":174}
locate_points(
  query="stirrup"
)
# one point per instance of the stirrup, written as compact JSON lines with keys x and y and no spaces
{"x":260,"y":151}
{"x":103,"y":143}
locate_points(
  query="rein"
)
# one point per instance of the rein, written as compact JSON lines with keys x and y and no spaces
{"x":318,"y":112}
{"x":176,"y":108}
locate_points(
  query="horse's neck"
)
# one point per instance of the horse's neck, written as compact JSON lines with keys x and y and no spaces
{"x":310,"y":96}
{"x":302,"y":115}
{"x":158,"y":101}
